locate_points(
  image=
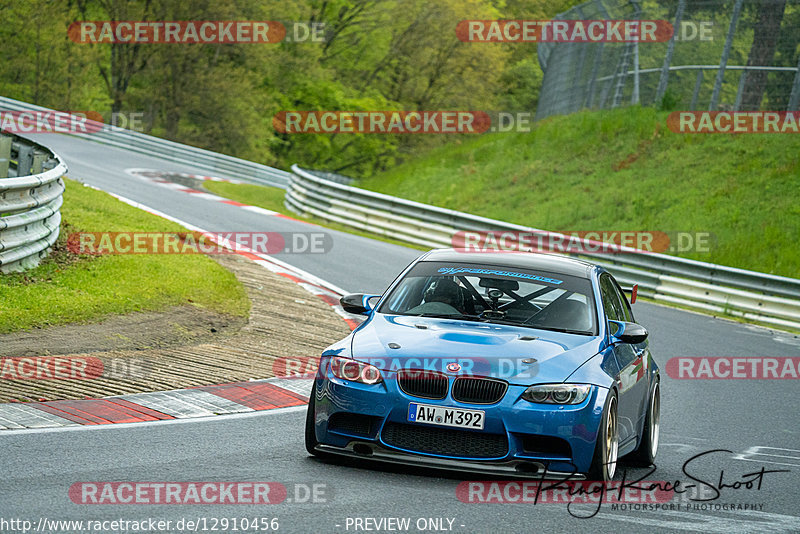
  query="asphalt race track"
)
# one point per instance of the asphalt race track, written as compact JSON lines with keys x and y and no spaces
{"x":754,"y":422}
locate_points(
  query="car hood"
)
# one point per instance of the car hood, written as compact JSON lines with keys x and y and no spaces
{"x":517,"y":354}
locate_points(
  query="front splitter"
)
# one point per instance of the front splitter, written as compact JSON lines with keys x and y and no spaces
{"x":518,"y":468}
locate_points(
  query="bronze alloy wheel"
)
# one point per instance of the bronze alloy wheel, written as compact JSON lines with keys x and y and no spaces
{"x":611,"y":439}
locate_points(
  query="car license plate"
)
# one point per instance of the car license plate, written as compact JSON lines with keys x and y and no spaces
{"x":444,"y":416}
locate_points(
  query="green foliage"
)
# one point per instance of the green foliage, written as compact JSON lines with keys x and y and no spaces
{"x":378,"y":55}
{"x":669,"y":102}
{"x":521,"y":83}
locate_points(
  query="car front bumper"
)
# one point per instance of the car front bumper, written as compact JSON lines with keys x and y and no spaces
{"x":537,"y":439}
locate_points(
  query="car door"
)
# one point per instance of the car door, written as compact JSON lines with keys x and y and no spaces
{"x":637,"y":370}
{"x":630,"y":381}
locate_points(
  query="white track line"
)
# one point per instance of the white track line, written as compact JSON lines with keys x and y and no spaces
{"x":299,"y":273}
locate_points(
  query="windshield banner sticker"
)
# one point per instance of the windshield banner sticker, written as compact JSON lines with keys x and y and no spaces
{"x":471,"y":270}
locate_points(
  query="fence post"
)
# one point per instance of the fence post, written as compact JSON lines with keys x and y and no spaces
{"x":662,"y":81}
{"x":582,"y":67}
{"x":637,"y":10}
{"x":620,"y":76}
{"x":723,"y":62}
{"x":598,"y":58}
{"x":696,"y":93}
{"x":24,"y":160}
{"x":38,"y":162}
{"x":635,"y":96}
{"x":794,"y":99}
{"x":740,"y":90}
{"x":5,"y":155}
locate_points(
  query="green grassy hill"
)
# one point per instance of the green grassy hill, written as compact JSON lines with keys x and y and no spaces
{"x":623,"y":170}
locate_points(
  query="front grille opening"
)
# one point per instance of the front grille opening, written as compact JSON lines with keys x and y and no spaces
{"x":479,"y":390}
{"x":445,"y":441}
{"x":424,"y":384}
{"x":546,"y":446}
{"x":354,"y":423}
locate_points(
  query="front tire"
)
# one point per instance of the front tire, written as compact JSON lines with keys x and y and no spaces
{"x":645,"y":453}
{"x":604,"y":461}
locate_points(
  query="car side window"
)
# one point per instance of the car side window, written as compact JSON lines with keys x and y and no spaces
{"x":611,"y":303}
{"x":616,"y":308}
{"x":626,"y":307}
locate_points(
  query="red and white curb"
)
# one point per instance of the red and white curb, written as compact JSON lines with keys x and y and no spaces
{"x":150,"y":175}
{"x":156,"y":175}
{"x":198,"y":402}
{"x":205,"y":401}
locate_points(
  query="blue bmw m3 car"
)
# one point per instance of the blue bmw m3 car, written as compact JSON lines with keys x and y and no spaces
{"x":509,"y":363}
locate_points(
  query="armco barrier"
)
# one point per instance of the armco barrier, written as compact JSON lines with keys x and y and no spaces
{"x":31,"y":191}
{"x":765,"y":298}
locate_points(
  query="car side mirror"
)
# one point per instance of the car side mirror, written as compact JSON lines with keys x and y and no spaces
{"x":357,"y":303}
{"x":630,"y":333}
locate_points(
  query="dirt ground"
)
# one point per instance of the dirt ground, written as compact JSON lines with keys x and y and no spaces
{"x":181,"y":347}
{"x":137,"y":331}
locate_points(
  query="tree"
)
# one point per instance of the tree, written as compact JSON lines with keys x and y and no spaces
{"x":126,"y":59}
{"x":40,"y":64}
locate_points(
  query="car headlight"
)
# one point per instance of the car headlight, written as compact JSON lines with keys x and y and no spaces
{"x":355,"y":371}
{"x":557,"y":393}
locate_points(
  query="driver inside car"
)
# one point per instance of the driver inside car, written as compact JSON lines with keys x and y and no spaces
{"x":443,"y":296}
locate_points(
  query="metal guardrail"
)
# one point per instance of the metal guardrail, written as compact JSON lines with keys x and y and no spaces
{"x":764,"y":298}
{"x":31,"y":191}
{"x":197,"y":158}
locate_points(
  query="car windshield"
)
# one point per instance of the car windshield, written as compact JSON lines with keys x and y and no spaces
{"x":502,"y":295}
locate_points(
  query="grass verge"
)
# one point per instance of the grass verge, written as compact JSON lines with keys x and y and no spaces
{"x":67,"y":288}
